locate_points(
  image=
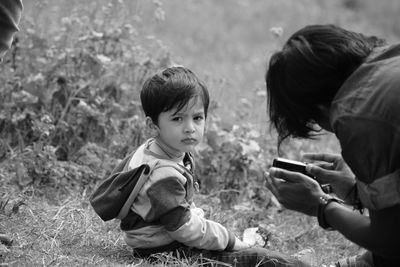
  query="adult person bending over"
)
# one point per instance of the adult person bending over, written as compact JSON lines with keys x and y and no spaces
{"x":348,"y":84}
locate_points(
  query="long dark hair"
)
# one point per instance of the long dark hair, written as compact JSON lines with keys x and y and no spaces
{"x":308,"y":71}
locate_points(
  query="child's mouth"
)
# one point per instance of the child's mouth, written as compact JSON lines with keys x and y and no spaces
{"x":189,"y":141}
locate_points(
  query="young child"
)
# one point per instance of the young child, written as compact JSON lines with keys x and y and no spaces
{"x":163,"y":217}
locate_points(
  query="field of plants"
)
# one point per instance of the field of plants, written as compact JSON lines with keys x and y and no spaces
{"x":70,"y":111}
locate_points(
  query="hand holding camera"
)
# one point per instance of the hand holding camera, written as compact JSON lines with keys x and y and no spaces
{"x":297,"y":166}
{"x":332,"y":169}
{"x":293,"y":187}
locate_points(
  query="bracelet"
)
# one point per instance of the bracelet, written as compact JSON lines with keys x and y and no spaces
{"x":323,"y":202}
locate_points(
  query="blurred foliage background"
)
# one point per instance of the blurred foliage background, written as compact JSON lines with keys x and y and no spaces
{"x":69,"y":88}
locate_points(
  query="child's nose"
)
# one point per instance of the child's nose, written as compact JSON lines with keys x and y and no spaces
{"x":189,"y":127}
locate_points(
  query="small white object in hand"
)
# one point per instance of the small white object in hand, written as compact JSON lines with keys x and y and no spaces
{"x":251,"y":237}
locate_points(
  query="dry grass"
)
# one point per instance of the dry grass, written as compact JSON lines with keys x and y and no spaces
{"x":66,"y":232}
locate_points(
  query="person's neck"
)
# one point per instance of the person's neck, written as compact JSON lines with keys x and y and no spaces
{"x":168,"y":150}
{"x":324,"y":121}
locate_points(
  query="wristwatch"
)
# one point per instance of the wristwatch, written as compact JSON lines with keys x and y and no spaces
{"x":323,"y":202}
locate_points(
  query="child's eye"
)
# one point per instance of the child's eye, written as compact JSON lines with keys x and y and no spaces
{"x":198,"y":118}
{"x":177,"y":119}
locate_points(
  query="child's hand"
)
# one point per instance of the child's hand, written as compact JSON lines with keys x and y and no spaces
{"x":239,"y":245}
{"x":199,"y":212}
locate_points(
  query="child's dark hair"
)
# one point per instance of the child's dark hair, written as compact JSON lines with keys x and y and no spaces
{"x":172,"y":88}
{"x":308,"y":72}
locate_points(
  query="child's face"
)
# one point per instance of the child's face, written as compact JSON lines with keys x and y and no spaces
{"x":184,"y":130}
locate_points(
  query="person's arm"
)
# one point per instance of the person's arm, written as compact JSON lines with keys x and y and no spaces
{"x":378,"y":233}
{"x":239,"y":244}
{"x":294,"y":190}
{"x":167,"y":196}
{"x":331,"y":169}
{"x":207,"y":234}
{"x":371,"y":147}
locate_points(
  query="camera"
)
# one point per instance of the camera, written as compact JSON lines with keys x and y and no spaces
{"x":297,"y":166}
{"x":291,"y":165}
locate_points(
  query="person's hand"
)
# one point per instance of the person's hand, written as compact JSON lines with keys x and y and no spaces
{"x":331,"y":169}
{"x":294,"y":190}
{"x":240,"y":245}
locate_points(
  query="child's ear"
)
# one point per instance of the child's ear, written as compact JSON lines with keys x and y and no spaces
{"x":152,"y":125}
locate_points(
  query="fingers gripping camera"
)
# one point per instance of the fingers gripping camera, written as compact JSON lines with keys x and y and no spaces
{"x":297,"y":166}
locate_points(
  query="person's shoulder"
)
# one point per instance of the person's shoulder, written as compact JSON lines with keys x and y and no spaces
{"x":383,"y":53}
{"x":373,"y":87}
{"x":138,"y":157}
{"x":166,"y":169}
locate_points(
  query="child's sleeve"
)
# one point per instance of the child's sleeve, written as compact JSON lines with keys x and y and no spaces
{"x":204,"y":234}
{"x":184,"y":222}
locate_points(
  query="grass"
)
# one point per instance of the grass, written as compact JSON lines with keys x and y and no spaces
{"x":62,"y":234}
{"x":51,"y":230}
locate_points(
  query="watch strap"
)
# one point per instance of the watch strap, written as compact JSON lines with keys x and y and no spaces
{"x":323,"y":203}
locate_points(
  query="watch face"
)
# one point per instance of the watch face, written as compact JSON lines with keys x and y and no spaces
{"x":324,"y":199}
{"x":328,"y":198}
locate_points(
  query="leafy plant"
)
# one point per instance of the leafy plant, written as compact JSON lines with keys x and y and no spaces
{"x":230,"y":163}
{"x":77,"y":88}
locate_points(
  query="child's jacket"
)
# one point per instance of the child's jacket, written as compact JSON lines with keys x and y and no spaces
{"x":164,"y":212}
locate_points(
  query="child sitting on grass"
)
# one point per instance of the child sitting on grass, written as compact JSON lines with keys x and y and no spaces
{"x":163,"y":217}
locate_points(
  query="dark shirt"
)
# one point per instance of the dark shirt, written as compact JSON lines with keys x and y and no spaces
{"x":365,"y":116}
